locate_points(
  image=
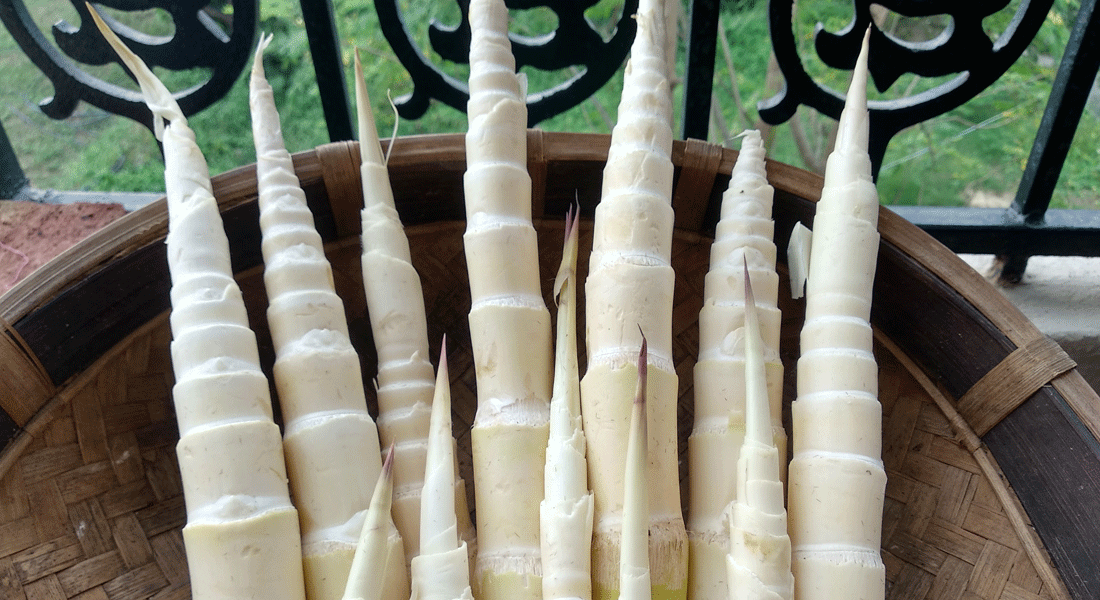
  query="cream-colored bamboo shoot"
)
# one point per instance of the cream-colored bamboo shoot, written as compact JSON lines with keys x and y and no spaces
{"x":744,"y":234}
{"x":566,"y":509}
{"x":331,"y":443}
{"x":634,"y":562}
{"x":837,"y":481}
{"x":241,"y":538}
{"x":509,"y":322}
{"x":395,"y":303}
{"x":759,"y":560}
{"x":442,"y":569}
{"x":369,"y":564}
{"x":630,"y":284}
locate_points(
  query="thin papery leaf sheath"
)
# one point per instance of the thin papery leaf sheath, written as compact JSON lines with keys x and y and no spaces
{"x":241,"y":538}
{"x":634,"y":565}
{"x":743,"y":237}
{"x":759,"y":561}
{"x":331,"y":442}
{"x":566,"y":509}
{"x":369,"y":564}
{"x":630,"y":284}
{"x":438,"y":525}
{"x":798,"y":258}
{"x":509,"y":322}
{"x":837,"y":481}
{"x":395,"y":304}
{"x":442,"y":570}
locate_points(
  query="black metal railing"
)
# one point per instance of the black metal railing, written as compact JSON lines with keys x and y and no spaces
{"x":963,"y":51}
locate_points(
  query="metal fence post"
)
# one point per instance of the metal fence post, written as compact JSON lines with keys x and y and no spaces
{"x":12,"y":179}
{"x":1060,"y":121}
{"x":324,"y":47}
{"x":699,"y":83}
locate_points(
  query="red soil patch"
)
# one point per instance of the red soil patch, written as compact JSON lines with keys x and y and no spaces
{"x":32,"y":233}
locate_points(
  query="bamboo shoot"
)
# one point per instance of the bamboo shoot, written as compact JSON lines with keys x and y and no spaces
{"x":744,"y":234}
{"x":509,"y":322}
{"x":630,"y":285}
{"x":241,"y":538}
{"x":837,"y":481}
{"x":331,"y":442}
{"x":395,"y":304}
{"x":442,"y":569}
{"x":566,"y":510}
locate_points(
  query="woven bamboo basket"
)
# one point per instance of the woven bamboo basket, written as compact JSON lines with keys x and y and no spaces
{"x":990,"y":435}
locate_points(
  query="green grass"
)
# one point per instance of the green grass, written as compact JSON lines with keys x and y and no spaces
{"x":980,"y":146}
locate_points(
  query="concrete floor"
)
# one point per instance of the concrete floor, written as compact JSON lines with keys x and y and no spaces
{"x":1061,"y":296}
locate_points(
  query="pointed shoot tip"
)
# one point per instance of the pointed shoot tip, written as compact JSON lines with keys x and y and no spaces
{"x":643,"y":369}
{"x":258,"y":60}
{"x":864,"y":50}
{"x":568,"y":222}
{"x":567,"y":269}
{"x":574,"y":228}
{"x":387,"y":464}
{"x":396,"y":124}
{"x":749,"y":299}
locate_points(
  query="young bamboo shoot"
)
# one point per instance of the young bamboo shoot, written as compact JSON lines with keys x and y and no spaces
{"x":509,"y":322}
{"x":369,"y":564}
{"x":759,"y":560}
{"x":634,"y":563}
{"x":837,"y":481}
{"x":331,"y":442}
{"x":395,"y":303}
{"x":566,"y":510}
{"x":630,"y":284}
{"x":241,"y":538}
{"x":442,"y":569}
{"x":744,"y":234}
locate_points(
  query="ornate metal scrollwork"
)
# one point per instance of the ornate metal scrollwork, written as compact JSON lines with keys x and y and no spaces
{"x":962,"y":49}
{"x":575,"y":43}
{"x":198,"y":42}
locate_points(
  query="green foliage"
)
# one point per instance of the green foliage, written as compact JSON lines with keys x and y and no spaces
{"x":981,"y":146}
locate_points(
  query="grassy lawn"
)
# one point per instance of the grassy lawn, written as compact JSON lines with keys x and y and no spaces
{"x":980,"y":148}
